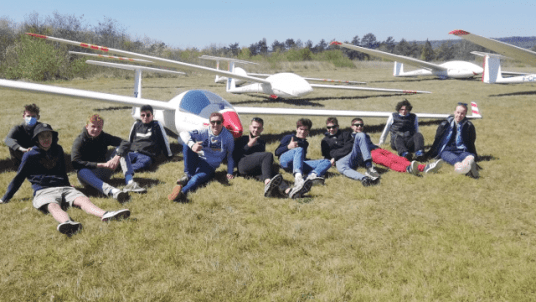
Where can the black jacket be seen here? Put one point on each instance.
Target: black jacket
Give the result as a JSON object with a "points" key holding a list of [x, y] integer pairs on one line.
{"points": [[88, 151], [468, 136], [337, 146]]}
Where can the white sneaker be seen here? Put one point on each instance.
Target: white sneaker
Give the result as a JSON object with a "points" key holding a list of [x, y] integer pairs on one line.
{"points": [[116, 215], [433, 167], [464, 166], [134, 187], [298, 190]]}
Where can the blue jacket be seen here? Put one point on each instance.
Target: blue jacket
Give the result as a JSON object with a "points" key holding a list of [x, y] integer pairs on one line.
{"points": [[43, 169]]}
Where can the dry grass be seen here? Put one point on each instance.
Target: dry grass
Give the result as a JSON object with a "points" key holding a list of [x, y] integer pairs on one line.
{"points": [[441, 237]]}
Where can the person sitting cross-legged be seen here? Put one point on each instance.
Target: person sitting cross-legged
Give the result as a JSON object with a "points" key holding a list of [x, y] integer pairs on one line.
{"points": [[44, 167], [292, 153], [252, 159], [347, 151], [404, 129], [94, 164], [203, 152]]}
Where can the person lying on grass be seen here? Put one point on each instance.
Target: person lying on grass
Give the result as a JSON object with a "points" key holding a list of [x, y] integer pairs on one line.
{"points": [[44, 167]]}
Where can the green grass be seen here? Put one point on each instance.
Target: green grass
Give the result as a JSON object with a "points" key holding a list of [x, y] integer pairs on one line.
{"points": [[441, 237]]}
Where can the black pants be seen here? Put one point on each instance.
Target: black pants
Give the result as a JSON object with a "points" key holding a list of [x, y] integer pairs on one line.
{"points": [[411, 143], [258, 164]]}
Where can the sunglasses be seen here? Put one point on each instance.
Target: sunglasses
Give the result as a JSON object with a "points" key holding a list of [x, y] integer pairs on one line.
{"points": [[358, 125], [218, 122], [331, 127], [146, 115]]}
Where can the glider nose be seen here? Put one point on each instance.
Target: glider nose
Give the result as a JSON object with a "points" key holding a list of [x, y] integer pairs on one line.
{"points": [[231, 121]]}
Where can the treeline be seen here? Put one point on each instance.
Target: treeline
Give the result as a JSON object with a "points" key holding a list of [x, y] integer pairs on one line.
{"points": [[24, 57]]}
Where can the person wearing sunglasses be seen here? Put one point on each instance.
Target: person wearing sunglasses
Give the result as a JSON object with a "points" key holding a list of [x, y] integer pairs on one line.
{"points": [[147, 140], [392, 161], [455, 143], [203, 151], [95, 164], [292, 153], [19, 138], [404, 129], [347, 151], [252, 160]]}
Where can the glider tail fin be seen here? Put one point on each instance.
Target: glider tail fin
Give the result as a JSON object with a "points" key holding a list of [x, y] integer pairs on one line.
{"points": [[475, 111], [398, 69], [492, 69]]}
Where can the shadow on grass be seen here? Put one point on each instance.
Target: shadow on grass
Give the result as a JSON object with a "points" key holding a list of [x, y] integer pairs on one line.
{"points": [[533, 92], [113, 108]]}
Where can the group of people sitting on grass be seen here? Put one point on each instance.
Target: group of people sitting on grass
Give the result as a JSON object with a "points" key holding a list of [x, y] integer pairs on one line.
{"points": [[35, 151]]}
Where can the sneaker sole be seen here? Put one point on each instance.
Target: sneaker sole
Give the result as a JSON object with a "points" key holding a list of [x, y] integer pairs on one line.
{"points": [[69, 228], [274, 183], [122, 214], [306, 187]]}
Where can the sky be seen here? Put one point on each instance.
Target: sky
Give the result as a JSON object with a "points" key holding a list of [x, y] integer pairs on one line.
{"points": [[205, 23]]}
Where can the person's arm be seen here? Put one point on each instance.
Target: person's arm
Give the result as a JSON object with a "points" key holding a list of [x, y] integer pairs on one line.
{"points": [[123, 146], [17, 181], [283, 146], [324, 146], [11, 139], [230, 159], [416, 124], [132, 132], [76, 155], [386, 130]]}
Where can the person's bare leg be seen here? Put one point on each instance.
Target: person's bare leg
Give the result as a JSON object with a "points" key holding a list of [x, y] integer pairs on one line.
{"points": [[85, 204], [60, 215]]}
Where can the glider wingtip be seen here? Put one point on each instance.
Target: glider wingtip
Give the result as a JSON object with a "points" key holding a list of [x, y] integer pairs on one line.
{"points": [[459, 32], [335, 43]]}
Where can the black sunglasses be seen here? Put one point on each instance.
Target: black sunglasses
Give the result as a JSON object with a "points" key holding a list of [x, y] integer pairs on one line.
{"points": [[332, 127], [146, 115], [218, 122], [358, 125]]}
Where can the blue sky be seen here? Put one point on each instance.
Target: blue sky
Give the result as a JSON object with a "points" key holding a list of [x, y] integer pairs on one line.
{"points": [[202, 23]]}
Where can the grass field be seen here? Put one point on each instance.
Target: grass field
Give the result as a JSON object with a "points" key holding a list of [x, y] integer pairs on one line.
{"points": [[441, 237]]}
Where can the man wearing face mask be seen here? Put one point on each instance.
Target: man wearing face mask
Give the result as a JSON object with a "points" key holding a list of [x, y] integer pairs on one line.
{"points": [[19, 138]]}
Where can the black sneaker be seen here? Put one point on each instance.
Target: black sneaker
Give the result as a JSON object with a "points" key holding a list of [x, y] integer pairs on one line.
{"points": [[367, 181], [272, 184], [69, 227]]}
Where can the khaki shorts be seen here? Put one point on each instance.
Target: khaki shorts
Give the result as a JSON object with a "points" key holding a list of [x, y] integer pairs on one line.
{"points": [[59, 195]]}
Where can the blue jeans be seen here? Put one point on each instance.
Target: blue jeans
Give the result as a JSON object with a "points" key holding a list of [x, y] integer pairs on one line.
{"points": [[95, 177], [454, 156], [197, 169], [360, 153], [293, 160], [140, 161]]}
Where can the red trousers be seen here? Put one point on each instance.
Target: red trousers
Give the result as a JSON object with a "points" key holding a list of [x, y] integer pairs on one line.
{"points": [[392, 161]]}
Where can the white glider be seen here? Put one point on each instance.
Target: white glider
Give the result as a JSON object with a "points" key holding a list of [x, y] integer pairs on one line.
{"points": [[285, 85], [492, 63], [451, 69], [264, 75]]}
